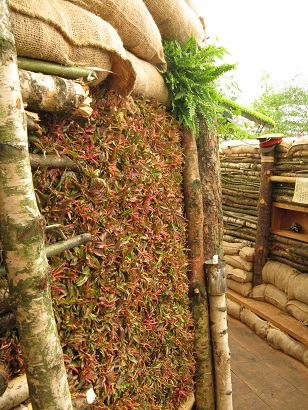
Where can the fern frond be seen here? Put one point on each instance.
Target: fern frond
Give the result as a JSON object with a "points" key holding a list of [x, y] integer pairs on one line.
{"points": [[191, 77]]}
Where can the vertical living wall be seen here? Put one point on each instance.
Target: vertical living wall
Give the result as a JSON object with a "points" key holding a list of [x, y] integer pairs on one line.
{"points": [[121, 302]]}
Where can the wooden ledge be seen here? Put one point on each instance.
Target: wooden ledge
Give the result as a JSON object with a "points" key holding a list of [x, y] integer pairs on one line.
{"points": [[273, 315]]}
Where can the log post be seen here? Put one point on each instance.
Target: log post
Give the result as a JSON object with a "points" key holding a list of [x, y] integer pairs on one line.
{"points": [[267, 142], [204, 385], [217, 287], [264, 216]]}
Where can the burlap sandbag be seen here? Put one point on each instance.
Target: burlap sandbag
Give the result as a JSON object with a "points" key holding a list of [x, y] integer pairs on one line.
{"points": [[280, 340], [149, 82], [299, 144], [237, 262], [61, 32], [134, 24], [176, 20], [278, 274], [234, 309], [195, 9], [243, 289], [240, 147], [298, 288], [269, 293], [240, 275], [229, 268], [285, 144], [258, 325], [299, 310], [232, 248], [247, 253]]}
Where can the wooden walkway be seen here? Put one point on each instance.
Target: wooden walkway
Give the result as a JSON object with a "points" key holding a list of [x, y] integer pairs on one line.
{"points": [[262, 377]]}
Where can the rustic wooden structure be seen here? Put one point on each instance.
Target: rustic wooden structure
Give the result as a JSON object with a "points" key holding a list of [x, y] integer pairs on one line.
{"points": [[279, 235]]}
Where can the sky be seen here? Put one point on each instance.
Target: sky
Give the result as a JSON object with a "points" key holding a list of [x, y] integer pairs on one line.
{"points": [[266, 36]]}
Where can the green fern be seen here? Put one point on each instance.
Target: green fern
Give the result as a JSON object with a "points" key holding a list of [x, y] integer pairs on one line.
{"points": [[191, 77]]}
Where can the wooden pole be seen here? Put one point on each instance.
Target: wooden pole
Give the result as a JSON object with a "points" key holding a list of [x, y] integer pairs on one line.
{"points": [[217, 288], [204, 386], [264, 216]]}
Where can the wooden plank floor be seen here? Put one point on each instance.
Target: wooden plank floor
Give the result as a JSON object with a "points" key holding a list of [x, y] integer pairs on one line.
{"points": [[263, 377]]}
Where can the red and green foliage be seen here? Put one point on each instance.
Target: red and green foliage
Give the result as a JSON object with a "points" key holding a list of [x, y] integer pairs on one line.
{"points": [[121, 301]]}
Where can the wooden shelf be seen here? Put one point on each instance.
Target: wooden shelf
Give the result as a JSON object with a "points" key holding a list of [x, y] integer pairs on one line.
{"points": [[274, 315], [284, 215], [303, 237]]}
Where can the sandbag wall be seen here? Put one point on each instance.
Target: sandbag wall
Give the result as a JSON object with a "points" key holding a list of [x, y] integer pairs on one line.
{"points": [[291, 161], [240, 180], [122, 39], [284, 277]]}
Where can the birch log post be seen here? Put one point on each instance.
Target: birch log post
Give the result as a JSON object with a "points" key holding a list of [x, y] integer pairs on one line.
{"points": [[50, 93], [204, 386], [217, 287], [16, 392], [264, 216], [22, 235]]}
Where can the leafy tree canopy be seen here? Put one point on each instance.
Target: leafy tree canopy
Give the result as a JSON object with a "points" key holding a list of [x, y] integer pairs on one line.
{"points": [[286, 104]]}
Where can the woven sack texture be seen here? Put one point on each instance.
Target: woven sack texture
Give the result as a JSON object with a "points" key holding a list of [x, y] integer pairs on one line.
{"points": [[232, 248], [64, 33], [247, 253], [237, 262], [299, 310], [269, 293], [298, 288], [240, 275], [195, 9], [234, 309], [278, 274], [280, 340], [243, 289], [255, 323], [176, 20], [134, 24], [149, 81]]}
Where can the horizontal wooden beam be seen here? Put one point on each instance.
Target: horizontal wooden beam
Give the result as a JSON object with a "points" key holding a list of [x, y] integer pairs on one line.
{"points": [[274, 315]]}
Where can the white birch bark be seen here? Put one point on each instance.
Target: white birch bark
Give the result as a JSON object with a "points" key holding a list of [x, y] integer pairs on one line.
{"points": [[22, 229]]}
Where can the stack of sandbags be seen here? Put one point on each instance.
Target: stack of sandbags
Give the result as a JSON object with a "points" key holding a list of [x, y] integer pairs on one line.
{"points": [[134, 24], [176, 20], [297, 304], [142, 40], [239, 267], [276, 338], [64, 33], [240, 165], [285, 288]]}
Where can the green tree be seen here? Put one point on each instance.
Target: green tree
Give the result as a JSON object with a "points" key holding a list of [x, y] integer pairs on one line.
{"points": [[286, 104]]}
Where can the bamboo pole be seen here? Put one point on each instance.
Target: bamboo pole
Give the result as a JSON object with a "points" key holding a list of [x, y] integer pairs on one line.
{"points": [[48, 67], [277, 178]]}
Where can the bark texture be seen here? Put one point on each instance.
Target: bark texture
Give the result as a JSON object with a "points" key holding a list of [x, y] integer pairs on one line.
{"points": [[204, 385], [22, 229], [42, 92], [209, 167], [16, 393], [216, 279], [264, 216]]}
